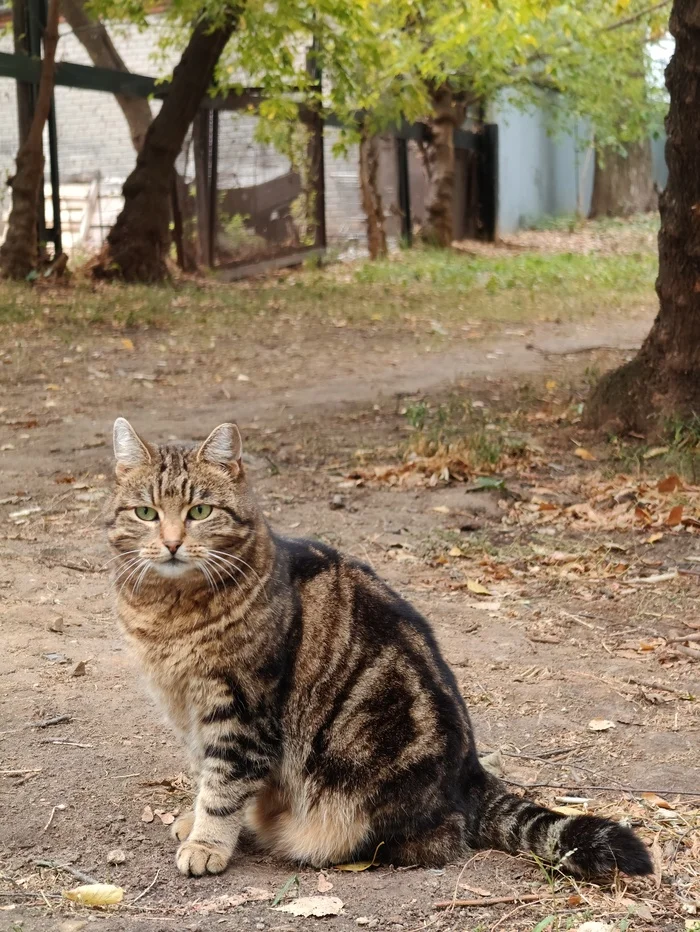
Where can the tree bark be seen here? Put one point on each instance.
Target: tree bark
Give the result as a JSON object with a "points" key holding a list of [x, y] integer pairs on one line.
{"points": [[449, 111], [18, 254], [137, 245], [664, 378], [97, 43], [624, 184], [371, 197]]}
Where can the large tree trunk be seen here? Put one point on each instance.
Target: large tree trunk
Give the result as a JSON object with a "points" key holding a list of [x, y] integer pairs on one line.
{"points": [[624, 184], [449, 111], [18, 254], [371, 197], [138, 243], [664, 378]]}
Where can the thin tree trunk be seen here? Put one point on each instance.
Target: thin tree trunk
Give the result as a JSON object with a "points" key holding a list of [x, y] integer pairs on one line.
{"points": [[18, 254], [138, 243], [438, 151], [664, 378], [93, 36], [624, 184], [371, 197]]}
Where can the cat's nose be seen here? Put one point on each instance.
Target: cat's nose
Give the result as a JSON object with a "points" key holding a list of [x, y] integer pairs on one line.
{"points": [[172, 545]]}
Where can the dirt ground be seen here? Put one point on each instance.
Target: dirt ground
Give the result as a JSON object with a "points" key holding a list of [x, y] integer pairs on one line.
{"points": [[541, 645]]}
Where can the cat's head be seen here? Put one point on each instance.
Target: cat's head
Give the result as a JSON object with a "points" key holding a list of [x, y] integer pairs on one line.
{"points": [[181, 510]]}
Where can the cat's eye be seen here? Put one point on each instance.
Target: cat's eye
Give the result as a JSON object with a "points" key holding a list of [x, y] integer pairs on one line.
{"points": [[199, 512], [146, 513]]}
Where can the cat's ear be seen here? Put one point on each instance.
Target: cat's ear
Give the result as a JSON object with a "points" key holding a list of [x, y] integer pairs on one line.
{"points": [[130, 451], [223, 447]]}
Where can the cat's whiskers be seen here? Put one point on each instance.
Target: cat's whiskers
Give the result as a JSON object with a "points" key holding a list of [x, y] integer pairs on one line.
{"points": [[144, 571], [232, 556], [133, 562], [120, 556], [138, 566], [205, 572], [226, 569]]}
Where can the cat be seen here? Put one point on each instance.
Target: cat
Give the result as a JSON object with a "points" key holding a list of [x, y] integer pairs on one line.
{"points": [[320, 717]]}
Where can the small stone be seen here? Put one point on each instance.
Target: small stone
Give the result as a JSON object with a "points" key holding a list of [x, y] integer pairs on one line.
{"points": [[116, 856], [336, 503], [147, 814], [373, 923], [79, 669], [362, 921], [56, 625]]}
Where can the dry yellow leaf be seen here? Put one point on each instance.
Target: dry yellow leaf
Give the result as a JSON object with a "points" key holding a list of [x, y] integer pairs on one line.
{"points": [[654, 452], [95, 894], [568, 810], [550, 385], [654, 800], [442, 509], [654, 538], [456, 552], [357, 866], [600, 724], [476, 587], [127, 343], [584, 454]]}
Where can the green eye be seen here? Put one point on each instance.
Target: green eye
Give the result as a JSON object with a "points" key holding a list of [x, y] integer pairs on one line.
{"points": [[199, 512], [146, 513]]}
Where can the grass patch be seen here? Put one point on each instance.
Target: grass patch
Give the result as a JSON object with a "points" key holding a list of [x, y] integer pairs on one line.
{"points": [[410, 290]]}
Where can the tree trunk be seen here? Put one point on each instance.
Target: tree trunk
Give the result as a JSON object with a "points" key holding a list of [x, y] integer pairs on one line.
{"points": [[18, 254], [664, 378], [438, 151], [371, 197], [624, 184], [138, 243], [97, 43]]}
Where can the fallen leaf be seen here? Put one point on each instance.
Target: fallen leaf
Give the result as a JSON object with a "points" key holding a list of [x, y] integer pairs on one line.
{"points": [[147, 814], [567, 810], [600, 724], [654, 538], [477, 891], [95, 894], [357, 866], [643, 515], [167, 818], [441, 509], [456, 552], [674, 516], [654, 452], [477, 588], [229, 901], [243, 378], [550, 385], [323, 885], [669, 484], [313, 906], [127, 343], [584, 454], [658, 801]]}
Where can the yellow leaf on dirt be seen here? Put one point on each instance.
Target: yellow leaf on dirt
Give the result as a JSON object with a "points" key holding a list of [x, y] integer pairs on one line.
{"points": [[658, 801], [567, 810], [441, 509], [128, 344], [601, 724], [476, 587], [584, 454], [674, 516], [357, 866], [550, 385], [456, 552], [669, 484], [95, 894], [654, 452], [654, 538]]}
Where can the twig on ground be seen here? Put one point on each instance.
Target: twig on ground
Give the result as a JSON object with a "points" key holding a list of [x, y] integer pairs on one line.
{"points": [[45, 722], [53, 813], [633, 790], [73, 871], [19, 773], [65, 742], [27, 893], [647, 684], [149, 887], [686, 651], [686, 637], [490, 901]]}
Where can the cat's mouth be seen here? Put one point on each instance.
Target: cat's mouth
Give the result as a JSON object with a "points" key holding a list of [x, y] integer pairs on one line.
{"points": [[174, 566]]}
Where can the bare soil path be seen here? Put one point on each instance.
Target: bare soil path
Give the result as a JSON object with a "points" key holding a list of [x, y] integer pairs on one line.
{"points": [[537, 662]]}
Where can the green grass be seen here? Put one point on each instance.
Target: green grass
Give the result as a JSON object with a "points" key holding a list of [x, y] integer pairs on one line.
{"points": [[414, 285]]}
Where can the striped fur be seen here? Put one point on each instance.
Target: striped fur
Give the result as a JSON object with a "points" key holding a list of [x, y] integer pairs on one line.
{"points": [[319, 715]]}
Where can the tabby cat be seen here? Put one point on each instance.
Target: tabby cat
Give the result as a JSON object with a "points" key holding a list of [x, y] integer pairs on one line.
{"points": [[320, 717]]}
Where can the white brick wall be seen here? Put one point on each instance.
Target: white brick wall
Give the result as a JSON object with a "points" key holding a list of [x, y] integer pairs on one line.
{"points": [[93, 135]]}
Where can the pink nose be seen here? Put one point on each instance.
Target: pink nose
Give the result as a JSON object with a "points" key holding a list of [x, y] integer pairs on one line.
{"points": [[172, 545]]}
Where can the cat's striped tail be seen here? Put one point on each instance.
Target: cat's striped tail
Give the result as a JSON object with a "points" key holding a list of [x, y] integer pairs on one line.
{"points": [[586, 846]]}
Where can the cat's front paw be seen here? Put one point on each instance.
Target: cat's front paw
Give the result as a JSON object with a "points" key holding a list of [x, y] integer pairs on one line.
{"points": [[182, 826], [196, 858]]}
